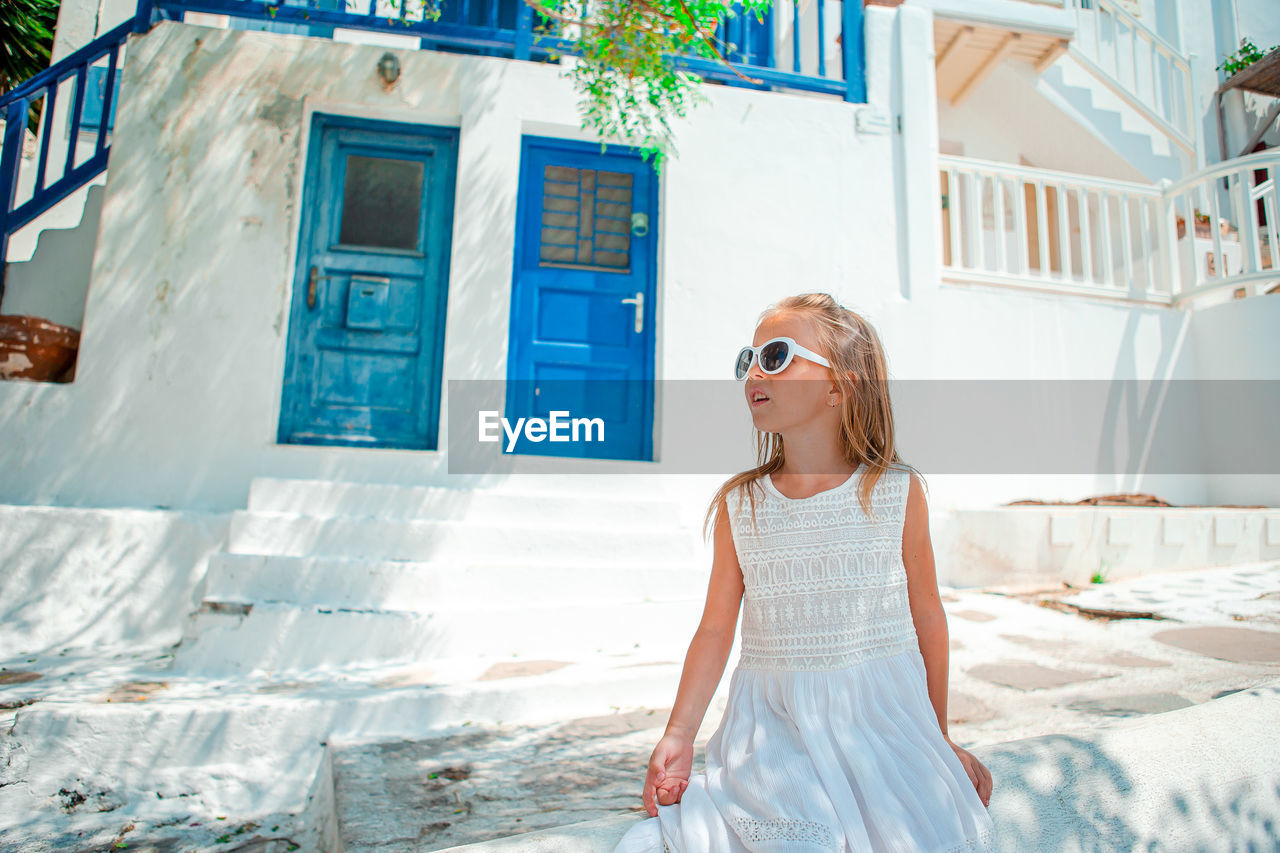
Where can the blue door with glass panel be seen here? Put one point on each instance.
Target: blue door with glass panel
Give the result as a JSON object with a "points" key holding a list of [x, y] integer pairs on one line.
{"points": [[582, 301], [366, 326]]}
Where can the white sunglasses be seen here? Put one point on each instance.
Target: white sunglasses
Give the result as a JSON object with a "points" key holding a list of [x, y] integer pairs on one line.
{"points": [[774, 356]]}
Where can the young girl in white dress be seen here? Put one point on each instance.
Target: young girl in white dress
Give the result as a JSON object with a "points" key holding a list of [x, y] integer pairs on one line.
{"points": [[835, 733]]}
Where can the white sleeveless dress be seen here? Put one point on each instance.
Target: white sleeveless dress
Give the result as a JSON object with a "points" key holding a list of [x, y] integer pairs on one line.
{"points": [[829, 741]]}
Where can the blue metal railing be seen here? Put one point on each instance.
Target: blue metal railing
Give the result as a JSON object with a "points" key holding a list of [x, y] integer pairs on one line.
{"points": [[506, 28], [492, 27], [15, 106]]}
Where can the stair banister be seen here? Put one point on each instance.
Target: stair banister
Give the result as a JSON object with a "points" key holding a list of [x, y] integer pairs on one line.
{"points": [[1179, 122], [15, 106]]}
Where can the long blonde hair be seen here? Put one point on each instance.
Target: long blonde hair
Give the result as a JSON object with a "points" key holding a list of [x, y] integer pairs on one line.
{"points": [[866, 419]]}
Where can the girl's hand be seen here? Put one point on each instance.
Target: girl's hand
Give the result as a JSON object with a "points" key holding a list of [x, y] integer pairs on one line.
{"points": [[978, 773], [668, 775]]}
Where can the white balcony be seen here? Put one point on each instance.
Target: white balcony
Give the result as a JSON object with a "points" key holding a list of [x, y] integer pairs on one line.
{"points": [[1062, 232]]}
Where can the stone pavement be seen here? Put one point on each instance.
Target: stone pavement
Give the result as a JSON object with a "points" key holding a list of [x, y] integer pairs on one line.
{"points": [[1018, 669], [1022, 663]]}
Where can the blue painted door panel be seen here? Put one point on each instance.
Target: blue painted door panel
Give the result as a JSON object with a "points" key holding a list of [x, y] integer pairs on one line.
{"points": [[366, 331], [582, 302]]}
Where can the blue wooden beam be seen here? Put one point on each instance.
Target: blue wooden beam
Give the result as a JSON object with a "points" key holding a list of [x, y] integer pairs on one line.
{"points": [[524, 29], [853, 52]]}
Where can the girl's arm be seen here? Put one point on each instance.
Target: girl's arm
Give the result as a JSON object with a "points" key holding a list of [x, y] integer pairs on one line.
{"points": [[704, 663], [931, 625], [926, 605]]}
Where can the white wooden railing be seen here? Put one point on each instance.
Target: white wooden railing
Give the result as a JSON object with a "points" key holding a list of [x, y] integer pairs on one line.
{"points": [[1058, 231], [1150, 74], [1241, 198]]}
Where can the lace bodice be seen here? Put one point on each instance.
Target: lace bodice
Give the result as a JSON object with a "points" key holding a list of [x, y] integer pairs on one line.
{"points": [[825, 586]]}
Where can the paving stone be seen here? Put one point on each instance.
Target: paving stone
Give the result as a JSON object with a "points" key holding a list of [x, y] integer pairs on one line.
{"points": [[973, 615], [1025, 675], [1199, 596], [609, 725], [287, 686], [134, 691], [18, 676], [410, 678], [1136, 703], [1127, 659], [492, 781], [1041, 644], [963, 708], [1241, 645], [518, 668]]}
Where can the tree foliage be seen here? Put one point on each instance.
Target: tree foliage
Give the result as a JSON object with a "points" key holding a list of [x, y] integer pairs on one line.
{"points": [[26, 43], [626, 70]]}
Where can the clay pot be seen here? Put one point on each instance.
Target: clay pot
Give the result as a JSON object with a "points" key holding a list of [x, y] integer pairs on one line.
{"points": [[1204, 232], [35, 349]]}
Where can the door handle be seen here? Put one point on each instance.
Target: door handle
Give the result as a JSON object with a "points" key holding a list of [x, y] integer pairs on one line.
{"points": [[638, 301], [311, 286]]}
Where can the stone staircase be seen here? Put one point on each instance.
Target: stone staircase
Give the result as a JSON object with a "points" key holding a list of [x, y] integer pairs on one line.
{"points": [[51, 260], [1079, 94], [497, 604]]}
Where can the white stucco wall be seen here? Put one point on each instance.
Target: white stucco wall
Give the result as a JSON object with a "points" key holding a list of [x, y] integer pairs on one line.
{"points": [[177, 394]]}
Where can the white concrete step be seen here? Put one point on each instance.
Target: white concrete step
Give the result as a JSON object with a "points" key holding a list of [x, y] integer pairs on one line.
{"points": [[338, 582], [260, 749], [278, 638], [520, 503], [531, 544]]}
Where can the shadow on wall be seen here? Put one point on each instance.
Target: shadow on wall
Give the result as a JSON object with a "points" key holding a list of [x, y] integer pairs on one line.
{"points": [[177, 387]]}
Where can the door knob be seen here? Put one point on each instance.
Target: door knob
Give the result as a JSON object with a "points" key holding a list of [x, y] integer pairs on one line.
{"points": [[638, 301], [311, 285], [639, 224]]}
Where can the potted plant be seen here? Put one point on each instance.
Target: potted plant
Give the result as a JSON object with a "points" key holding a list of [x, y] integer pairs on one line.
{"points": [[37, 349], [1202, 227], [1247, 55]]}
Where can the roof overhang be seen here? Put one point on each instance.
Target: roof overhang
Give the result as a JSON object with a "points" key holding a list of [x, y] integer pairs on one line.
{"points": [[966, 52]]}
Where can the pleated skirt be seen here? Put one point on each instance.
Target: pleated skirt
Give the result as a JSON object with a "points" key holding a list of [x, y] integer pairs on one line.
{"points": [[836, 760]]}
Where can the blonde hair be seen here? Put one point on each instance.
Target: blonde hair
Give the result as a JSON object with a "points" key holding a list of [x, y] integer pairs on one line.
{"points": [[850, 343]]}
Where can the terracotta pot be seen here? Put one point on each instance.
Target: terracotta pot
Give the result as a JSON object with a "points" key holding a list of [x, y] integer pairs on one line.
{"points": [[1204, 232], [36, 349]]}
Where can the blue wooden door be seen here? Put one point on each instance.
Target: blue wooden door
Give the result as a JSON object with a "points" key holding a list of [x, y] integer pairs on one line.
{"points": [[582, 302], [366, 329]]}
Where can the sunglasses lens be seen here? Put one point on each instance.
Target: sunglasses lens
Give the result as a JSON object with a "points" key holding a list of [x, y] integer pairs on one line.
{"points": [[773, 356], [743, 364]]}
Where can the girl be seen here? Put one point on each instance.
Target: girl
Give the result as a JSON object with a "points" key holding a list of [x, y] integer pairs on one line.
{"points": [[835, 734]]}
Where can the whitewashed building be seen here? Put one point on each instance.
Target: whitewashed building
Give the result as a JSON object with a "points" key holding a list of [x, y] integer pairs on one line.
{"points": [[203, 279]]}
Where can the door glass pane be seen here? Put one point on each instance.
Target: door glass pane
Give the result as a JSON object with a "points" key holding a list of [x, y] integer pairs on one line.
{"points": [[586, 219], [381, 202]]}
